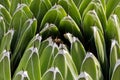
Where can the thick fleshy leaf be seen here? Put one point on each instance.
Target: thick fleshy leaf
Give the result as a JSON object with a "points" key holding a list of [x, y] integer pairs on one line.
{"points": [[35, 41], [30, 63], [53, 15], [5, 71], [116, 71], [44, 44], [6, 41], [114, 55], [52, 74], [6, 4], [28, 2], [103, 3], [21, 15], [71, 10], [117, 11], [84, 5], [91, 19], [47, 56], [113, 28], [29, 30], [6, 16], [49, 30], [53, 2], [69, 75], [77, 50], [22, 75], [110, 9], [100, 11], [77, 2], [69, 62], [67, 24], [101, 49], [2, 28], [16, 3], [60, 63], [92, 67], [84, 76], [39, 9]]}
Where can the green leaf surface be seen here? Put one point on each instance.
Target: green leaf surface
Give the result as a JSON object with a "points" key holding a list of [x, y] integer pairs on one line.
{"points": [[5, 65], [71, 10], [53, 15]]}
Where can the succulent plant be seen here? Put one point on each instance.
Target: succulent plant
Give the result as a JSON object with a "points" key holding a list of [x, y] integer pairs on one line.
{"points": [[59, 39]]}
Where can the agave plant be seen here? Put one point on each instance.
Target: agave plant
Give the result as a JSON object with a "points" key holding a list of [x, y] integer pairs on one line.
{"points": [[60, 40]]}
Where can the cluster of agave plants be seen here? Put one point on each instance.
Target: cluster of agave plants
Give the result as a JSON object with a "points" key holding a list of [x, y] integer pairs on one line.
{"points": [[59, 39]]}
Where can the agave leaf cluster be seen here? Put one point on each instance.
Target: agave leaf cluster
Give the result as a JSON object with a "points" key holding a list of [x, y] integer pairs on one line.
{"points": [[60, 40]]}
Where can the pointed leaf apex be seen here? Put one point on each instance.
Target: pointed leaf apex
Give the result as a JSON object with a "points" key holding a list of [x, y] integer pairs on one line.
{"points": [[61, 51], [1, 18], [114, 42], [55, 70], [23, 74], [10, 32], [38, 37], [117, 64], [83, 75], [94, 29], [34, 50], [89, 54], [5, 54], [1, 6]]}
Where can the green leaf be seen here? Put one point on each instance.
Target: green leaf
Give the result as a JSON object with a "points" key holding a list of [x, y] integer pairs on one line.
{"points": [[91, 19], [101, 49], [67, 24], [39, 9], [60, 62], [16, 3], [21, 15], [116, 71], [100, 11], [49, 30], [113, 26], [70, 63], [35, 41], [5, 71], [114, 55], [117, 11], [30, 63], [110, 9], [77, 2], [54, 2], [69, 75], [53, 15], [28, 2], [44, 44], [92, 67], [47, 56], [6, 41], [84, 76], [22, 75], [84, 5], [2, 28], [6, 4], [52, 74], [6, 16], [29, 30], [71, 10], [77, 50]]}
